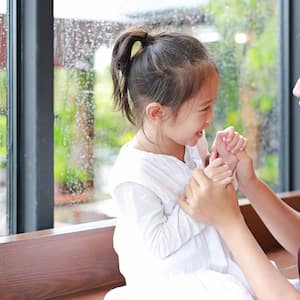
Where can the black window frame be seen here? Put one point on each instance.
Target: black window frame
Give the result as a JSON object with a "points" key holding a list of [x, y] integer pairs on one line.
{"points": [[30, 115], [30, 110]]}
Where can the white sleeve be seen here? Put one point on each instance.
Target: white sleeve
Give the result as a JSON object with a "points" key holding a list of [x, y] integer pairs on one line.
{"points": [[162, 234]]}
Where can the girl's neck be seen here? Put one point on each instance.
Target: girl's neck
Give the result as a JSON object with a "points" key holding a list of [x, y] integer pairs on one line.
{"points": [[149, 143]]}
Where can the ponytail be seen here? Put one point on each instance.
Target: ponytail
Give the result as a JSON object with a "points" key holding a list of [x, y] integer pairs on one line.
{"points": [[120, 68]]}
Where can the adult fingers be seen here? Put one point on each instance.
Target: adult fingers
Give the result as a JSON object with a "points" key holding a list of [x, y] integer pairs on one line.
{"points": [[226, 181], [183, 203], [223, 176], [245, 142], [216, 163], [188, 192], [201, 178], [218, 172]]}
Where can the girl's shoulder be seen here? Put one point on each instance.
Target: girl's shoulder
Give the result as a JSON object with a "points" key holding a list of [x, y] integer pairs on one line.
{"points": [[133, 165], [146, 168]]}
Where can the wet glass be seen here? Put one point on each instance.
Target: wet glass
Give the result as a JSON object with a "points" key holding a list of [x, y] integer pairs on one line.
{"points": [[3, 121], [88, 133]]}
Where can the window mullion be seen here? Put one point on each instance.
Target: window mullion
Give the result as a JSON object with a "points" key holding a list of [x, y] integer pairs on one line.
{"points": [[31, 119]]}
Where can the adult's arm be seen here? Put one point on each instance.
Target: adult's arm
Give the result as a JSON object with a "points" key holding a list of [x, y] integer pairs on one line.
{"points": [[265, 280], [217, 205], [282, 220]]}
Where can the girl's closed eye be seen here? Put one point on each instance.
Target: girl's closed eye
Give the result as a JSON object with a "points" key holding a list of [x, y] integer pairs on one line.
{"points": [[206, 108]]}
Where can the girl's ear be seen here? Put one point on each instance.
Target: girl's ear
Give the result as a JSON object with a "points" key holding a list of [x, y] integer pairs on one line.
{"points": [[154, 111]]}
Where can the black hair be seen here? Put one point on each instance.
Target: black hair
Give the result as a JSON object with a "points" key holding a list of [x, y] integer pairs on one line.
{"points": [[168, 68]]}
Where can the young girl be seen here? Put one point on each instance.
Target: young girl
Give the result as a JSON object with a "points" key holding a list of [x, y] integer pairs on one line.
{"points": [[168, 88], [222, 211]]}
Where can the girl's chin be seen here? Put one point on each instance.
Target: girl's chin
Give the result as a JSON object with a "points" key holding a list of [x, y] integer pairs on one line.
{"points": [[196, 138], [193, 143]]}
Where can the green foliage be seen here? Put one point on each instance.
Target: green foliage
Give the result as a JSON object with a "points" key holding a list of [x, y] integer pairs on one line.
{"points": [[3, 119], [251, 67], [64, 95], [111, 130], [3, 152], [269, 169], [2, 90], [67, 86]]}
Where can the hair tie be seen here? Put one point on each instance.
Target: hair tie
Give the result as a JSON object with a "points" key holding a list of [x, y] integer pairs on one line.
{"points": [[145, 40]]}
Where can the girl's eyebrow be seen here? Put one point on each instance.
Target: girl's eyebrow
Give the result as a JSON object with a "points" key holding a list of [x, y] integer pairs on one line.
{"points": [[206, 102]]}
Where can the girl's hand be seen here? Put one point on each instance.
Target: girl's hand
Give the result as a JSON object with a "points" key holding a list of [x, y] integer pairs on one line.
{"points": [[218, 171], [209, 202], [227, 144]]}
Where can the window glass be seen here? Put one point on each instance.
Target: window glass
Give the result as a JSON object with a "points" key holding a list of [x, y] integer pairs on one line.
{"points": [[241, 35], [3, 120]]}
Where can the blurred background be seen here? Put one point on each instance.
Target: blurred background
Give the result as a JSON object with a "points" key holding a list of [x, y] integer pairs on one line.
{"points": [[243, 37]]}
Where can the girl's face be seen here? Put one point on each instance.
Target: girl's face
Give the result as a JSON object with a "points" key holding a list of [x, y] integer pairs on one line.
{"points": [[194, 115]]}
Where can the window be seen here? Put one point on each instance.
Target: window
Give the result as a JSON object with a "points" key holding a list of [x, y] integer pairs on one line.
{"points": [[88, 134], [3, 121], [258, 66]]}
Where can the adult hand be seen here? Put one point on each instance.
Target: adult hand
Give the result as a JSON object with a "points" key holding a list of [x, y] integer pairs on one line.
{"points": [[210, 202]]}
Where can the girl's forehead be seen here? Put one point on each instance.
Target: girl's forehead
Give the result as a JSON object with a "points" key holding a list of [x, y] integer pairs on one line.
{"points": [[207, 92]]}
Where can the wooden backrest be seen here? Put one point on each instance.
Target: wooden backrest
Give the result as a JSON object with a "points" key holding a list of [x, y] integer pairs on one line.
{"points": [[49, 263], [257, 227]]}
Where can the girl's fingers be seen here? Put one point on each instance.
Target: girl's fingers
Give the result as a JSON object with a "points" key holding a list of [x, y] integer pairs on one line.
{"points": [[233, 142], [229, 133], [216, 163], [238, 146]]}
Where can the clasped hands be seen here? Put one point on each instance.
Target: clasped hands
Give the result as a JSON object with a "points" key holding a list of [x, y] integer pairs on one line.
{"points": [[210, 193]]}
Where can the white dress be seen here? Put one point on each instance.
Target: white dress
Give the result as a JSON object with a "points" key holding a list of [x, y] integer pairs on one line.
{"points": [[163, 253]]}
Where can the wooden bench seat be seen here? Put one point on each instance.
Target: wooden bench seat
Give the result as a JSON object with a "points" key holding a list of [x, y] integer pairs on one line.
{"points": [[78, 262], [286, 263]]}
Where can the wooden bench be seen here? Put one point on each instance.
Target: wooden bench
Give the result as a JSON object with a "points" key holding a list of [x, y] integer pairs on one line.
{"points": [[51, 263], [78, 262]]}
